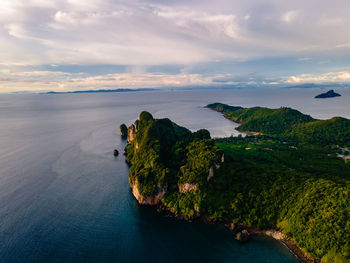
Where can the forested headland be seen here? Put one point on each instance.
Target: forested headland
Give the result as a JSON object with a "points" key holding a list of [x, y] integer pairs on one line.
{"points": [[284, 178]]}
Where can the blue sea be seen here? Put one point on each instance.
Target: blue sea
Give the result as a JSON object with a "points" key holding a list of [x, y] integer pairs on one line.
{"points": [[64, 197]]}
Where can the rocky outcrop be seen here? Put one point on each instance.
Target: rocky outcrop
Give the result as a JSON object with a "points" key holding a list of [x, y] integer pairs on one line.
{"points": [[132, 133], [123, 130], [275, 234], [211, 173], [147, 200], [232, 226], [217, 166], [185, 188], [243, 236]]}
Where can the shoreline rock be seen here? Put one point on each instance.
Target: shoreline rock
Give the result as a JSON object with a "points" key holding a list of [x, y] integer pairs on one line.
{"points": [[243, 236]]}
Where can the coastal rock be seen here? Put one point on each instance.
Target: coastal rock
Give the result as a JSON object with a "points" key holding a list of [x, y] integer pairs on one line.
{"points": [[185, 188], [211, 173], [147, 200], [275, 234], [132, 132], [232, 226], [243, 236], [328, 94], [123, 130]]}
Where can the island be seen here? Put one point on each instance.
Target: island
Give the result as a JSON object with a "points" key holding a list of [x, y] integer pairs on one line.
{"points": [[286, 181], [328, 94]]}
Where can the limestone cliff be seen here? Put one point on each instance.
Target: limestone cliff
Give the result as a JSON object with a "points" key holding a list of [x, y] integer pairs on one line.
{"points": [[185, 188], [170, 164], [147, 200], [132, 130]]}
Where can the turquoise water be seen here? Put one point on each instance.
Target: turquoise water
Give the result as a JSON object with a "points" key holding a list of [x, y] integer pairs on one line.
{"points": [[64, 197]]}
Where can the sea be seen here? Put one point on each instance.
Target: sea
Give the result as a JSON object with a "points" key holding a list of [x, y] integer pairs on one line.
{"points": [[64, 197]]}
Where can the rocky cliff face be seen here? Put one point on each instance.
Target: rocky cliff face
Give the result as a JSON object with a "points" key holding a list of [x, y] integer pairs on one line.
{"points": [[185, 188], [169, 164], [132, 132], [217, 166], [147, 200]]}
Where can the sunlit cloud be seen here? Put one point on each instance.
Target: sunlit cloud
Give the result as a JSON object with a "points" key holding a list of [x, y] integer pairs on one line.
{"points": [[331, 77], [45, 81], [189, 34]]}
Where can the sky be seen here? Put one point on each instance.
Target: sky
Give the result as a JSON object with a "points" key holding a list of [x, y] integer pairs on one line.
{"points": [[65, 45]]}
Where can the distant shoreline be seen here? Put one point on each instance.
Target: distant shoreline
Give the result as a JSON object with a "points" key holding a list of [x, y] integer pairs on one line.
{"points": [[97, 91]]}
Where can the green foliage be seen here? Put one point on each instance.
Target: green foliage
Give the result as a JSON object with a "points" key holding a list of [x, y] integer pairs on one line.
{"points": [[145, 116], [288, 178], [300, 189], [201, 134], [263, 120], [333, 257], [164, 155], [335, 130], [201, 155], [289, 124]]}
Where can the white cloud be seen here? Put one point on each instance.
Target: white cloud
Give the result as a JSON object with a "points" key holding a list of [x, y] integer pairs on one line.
{"points": [[49, 80], [289, 16], [331, 77], [147, 32], [142, 33], [343, 45]]}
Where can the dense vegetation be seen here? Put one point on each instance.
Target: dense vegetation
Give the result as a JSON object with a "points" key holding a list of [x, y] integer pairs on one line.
{"points": [[289, 178], [288, 123], [165, 156], [300, 190]]}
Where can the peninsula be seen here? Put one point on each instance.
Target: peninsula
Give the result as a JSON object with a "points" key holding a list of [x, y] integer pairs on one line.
{"points": [[287, 181]]}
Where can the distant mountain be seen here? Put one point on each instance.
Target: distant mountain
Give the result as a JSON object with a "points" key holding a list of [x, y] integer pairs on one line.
{"points": [[304, 86], [322, 86], [98, 91], [328, 94]]}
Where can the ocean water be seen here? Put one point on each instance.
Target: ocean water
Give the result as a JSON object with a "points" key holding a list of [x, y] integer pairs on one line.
{"points": [[64, 197]]}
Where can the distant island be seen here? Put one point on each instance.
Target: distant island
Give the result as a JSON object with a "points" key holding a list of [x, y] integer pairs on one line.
{"points": [[290, 180], [328, 94], [98, 91]]}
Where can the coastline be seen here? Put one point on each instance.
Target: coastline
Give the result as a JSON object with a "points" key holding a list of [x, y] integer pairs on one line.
{"points": [[247, 133], [288, 242]]}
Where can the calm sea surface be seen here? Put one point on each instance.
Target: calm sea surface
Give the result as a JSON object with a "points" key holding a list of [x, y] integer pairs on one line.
{"points": [[65, 198]]}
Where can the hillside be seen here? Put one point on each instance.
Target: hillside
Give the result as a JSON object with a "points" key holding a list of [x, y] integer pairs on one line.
{"points": [[262, 120], [168, 159], [256, 182], [288, 123]]}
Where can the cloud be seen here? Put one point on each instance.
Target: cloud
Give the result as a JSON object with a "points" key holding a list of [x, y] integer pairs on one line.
{"points": [[289, 16], [203, 37], [149, 32], [344, 45], [331, 77], [11, 81], [304, 59]]}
